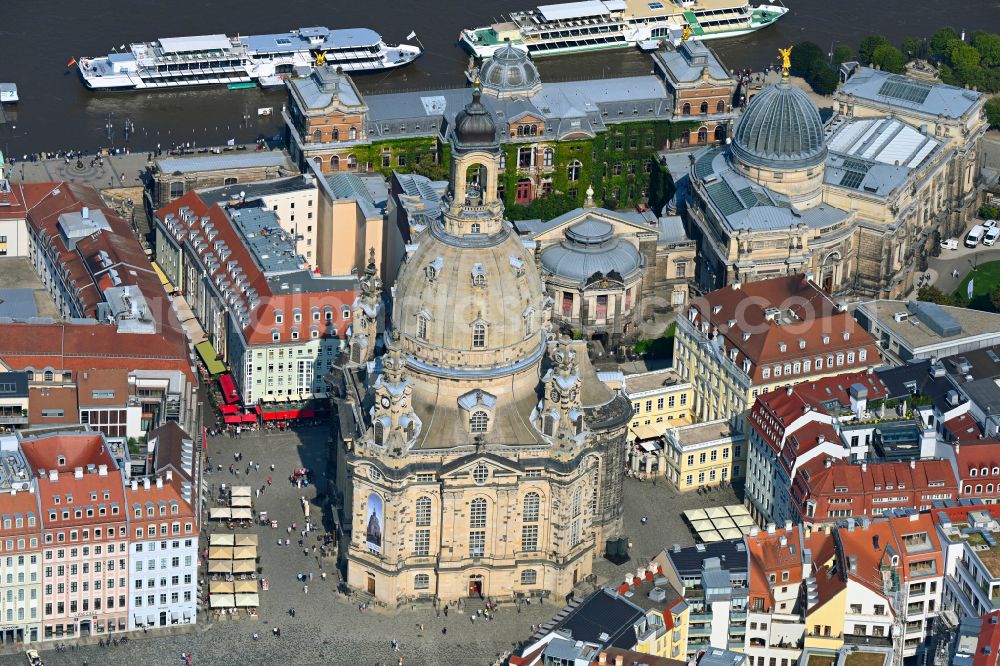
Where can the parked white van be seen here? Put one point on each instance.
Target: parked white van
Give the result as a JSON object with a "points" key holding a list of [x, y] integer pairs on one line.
{"points": [[975, 235], [991, 236]]}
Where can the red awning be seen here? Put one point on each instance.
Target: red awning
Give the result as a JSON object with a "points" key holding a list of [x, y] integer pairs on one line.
{"points": [[233, 418], [249, 418], [229, 409], [287, 415], [229, 392]]}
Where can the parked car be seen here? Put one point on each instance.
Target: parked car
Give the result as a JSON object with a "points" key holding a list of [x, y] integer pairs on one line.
{"points": [[949, 244], [33, 658], [975, 235], [990, 223], [991, 236]]}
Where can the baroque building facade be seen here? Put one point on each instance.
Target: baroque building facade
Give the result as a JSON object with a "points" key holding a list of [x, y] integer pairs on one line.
{"points": [[478, 455], [556, 137], [855, 202]]}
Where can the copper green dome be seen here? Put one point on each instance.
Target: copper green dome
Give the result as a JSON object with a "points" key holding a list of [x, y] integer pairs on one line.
{"points": [[780, 129]]}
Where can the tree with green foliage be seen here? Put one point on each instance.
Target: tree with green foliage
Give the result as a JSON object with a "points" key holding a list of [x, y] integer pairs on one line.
{"points": [[914, 47], [942, 41], [993, 111], [964, 57], [825, 81], [809, 62], [842, 53], [934, 295], [867, 48], [542, 208], [988, 212], [806, 58], [988, 45], [889, 59]]}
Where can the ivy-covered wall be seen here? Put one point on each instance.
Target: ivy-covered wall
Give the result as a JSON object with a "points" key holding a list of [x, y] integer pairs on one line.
{"points": [[622, 165], [418, 156]]}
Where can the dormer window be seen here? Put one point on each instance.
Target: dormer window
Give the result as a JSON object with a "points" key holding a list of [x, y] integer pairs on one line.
{"points": [[297, 315], [782, 347], [802, 343], [847, 335], [295, 333], [421, 327], [746, 336], [275, 335], [278, 317], [716, 309], [826, 339]]}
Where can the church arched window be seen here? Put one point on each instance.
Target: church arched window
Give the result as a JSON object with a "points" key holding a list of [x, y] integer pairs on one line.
{"points": [[479, 336], [479, 422], [423, 512]]}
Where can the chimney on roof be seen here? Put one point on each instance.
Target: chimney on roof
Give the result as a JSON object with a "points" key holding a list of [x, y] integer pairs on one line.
{"points": [[102, 470], [828, 462], [736, 285], [53, 475], [864, 467], [850, 524], [788, 526], [913, 464], [135, 485], [85, 213], [788, 390], [619, 660], [159, 482], [602, 658], [754, 531], [78, 473], [783, 541], [820, 438], [770, 528], [170, 475], [145, 483]]}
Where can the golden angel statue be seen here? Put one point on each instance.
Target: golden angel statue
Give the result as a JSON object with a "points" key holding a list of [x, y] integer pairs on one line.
{"points": [[786, 59]]}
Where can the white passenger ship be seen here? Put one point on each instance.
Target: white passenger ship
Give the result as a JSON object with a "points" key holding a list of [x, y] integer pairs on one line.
{"points": [[173, 62], [607, 24]]}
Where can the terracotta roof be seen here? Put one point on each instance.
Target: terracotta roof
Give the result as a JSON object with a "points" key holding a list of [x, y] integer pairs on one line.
{"points": [[76, 449], [844, 474], [79, 451], [768, 556], [768, 321], [50, 398], [828, 585], [78, 347], [988, 646], [982, 453], [97, 379], [885, 537], [24, 503], [169, 492], [963, 428]]}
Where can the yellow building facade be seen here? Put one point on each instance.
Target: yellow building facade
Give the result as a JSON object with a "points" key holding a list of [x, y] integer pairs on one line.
{"points": [[660, 400], [704, 454]]}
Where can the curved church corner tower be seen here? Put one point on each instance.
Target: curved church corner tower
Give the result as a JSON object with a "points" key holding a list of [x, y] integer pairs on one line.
{"points": [[478, 455]]}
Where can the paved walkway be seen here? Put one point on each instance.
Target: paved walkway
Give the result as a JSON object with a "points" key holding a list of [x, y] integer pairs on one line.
{"points": [[963, 260], [115, 171]]}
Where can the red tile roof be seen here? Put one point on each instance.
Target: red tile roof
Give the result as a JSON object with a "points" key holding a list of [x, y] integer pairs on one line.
{"points": [[805, 315], [963, 428], [988, 647]]}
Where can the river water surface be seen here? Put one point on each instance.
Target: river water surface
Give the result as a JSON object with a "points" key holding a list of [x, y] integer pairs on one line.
{"points": [[38, 38]]}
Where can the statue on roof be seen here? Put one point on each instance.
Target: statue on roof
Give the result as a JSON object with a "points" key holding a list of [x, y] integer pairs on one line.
{"points": [[786, 60]]}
